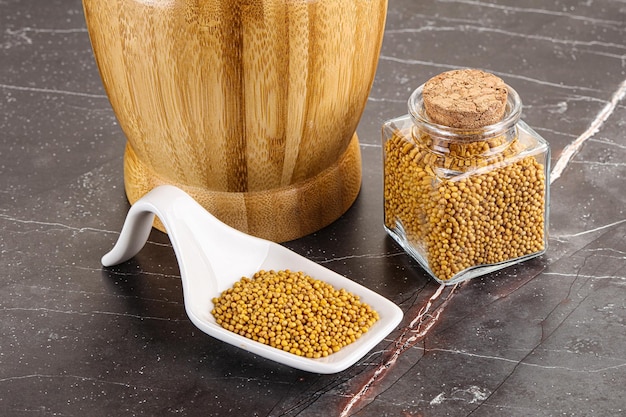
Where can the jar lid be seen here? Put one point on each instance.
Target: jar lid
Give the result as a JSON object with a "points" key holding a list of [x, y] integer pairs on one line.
{"points": [[466, 98]]}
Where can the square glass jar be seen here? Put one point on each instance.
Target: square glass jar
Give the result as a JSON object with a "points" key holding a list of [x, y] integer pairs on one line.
{"points": [[465, 202]]}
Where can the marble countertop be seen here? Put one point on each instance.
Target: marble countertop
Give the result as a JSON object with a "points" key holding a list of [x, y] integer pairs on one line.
{"points": [[544, 338]]}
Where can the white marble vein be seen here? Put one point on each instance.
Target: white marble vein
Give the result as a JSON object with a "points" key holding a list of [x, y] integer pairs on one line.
{"points": [[24, 36], [619, 23], [88, 294], [502, 32], [585, 232], [50, 91], [615, 253], [600, 164], [89, 313], [54, 226], [599, 369], [571, 149], [409, 61], [48, 376], [363, 256], [608, 142], [576, 275], [472, 395]]}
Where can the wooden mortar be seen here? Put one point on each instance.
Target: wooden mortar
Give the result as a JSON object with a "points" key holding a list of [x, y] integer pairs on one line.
{"points": [[250, 106]]}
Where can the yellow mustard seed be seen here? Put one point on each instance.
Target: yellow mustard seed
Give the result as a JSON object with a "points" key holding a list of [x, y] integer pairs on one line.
{"points": [[293, 312], [463, 221]]}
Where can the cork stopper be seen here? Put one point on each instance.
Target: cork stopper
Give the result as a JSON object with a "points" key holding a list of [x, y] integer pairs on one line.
{"points": [[465, 99]]}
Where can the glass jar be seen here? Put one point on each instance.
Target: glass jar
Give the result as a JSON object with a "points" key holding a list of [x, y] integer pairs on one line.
{"points": [[465, 202]]}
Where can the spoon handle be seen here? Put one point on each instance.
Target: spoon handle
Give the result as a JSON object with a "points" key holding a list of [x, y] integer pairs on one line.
{"points": [[133, 236], [139, 220], [200, 240]]}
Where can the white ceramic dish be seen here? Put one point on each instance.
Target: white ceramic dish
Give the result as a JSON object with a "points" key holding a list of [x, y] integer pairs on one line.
{"points": [[213, 256]]}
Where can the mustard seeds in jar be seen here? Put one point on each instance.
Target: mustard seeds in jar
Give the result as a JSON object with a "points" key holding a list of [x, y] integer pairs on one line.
{"points": [[293, 312], [466, 186]]}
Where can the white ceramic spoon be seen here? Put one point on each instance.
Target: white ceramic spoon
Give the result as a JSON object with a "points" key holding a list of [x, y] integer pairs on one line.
{"points": [[213, 256]]}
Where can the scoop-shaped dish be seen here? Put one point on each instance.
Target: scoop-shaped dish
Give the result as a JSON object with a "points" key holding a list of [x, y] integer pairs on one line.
{"points": [[212, 256]]}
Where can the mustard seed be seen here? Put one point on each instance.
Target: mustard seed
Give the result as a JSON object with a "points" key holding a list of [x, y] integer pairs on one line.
{"points": [[293, 312], [466, 194]]}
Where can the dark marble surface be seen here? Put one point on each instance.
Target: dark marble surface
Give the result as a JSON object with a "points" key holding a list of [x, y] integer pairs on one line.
{"points": [[544, 338]]}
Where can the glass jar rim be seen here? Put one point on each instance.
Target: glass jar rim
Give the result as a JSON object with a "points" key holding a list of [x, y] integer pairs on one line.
{"points": [[418, 114]]}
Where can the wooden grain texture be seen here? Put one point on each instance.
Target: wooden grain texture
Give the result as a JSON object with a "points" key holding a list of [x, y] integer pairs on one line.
{"points": [[291, 211], [235, 98]]}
